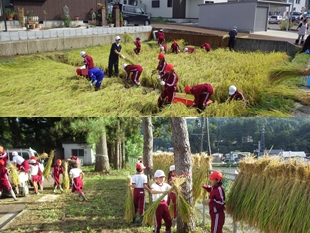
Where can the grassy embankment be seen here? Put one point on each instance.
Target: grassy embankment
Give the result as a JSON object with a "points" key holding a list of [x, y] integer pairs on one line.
{"points": [[46, 84]]}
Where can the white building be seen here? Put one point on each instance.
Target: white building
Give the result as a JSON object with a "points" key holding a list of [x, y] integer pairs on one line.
{"points": [[83, 151]]}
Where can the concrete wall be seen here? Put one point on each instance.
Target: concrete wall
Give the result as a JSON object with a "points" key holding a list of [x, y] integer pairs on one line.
{"points": [[224, 16], [29, 42], [192, 8], [242, 44]]}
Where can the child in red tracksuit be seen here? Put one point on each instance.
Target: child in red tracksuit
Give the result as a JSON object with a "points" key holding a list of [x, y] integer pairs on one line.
{"points": [[161, 37], [136, 71], [3, 155], [34, 172], [202, 94], [77, 176], [4, 180], [163, 48], [40, 172], [21, 164], [189, 50], [206, 46], [139, 183], [216, 202], [170, 83], [172, 196], [57, 170], [161, 66], [138, 46], [157, 189], [175, 48]]}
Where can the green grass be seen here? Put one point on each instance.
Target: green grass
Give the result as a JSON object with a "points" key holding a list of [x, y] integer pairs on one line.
{"points": [[46, 84]]}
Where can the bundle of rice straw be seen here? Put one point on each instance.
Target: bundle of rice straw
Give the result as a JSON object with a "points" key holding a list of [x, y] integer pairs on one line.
{"points": [[47, 168], [171, 208], [66, 179], [14, 174], [42, 156], [129, 206], [286, 71], [128, 37], [183, 208]]}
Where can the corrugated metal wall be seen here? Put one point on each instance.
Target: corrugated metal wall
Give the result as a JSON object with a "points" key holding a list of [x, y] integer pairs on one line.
{"points": [[54, 8]]}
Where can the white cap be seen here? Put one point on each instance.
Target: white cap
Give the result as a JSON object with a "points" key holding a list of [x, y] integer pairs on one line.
{"points": [[232, 89], [172, 168], [162, 48], [124, 66], [82, 53], [117, 38], [14, 153], [159, 173], [161, 30], [32, 161], [235, 27], [139, 157], [185, 49]]}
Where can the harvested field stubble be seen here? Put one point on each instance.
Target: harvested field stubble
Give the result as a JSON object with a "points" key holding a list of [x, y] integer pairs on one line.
{"points": [[271, 195], [46, 84]]}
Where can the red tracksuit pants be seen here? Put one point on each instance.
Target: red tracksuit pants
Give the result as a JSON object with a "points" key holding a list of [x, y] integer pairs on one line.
{"points": [[135, 76], [162, 212], [170, 93], [137, 50], [172, 197], [217, 222], [139, 200], [77, 185], [203, 99], [4, 183]]}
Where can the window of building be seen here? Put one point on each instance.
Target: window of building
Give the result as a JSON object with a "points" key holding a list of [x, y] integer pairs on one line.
{"points": [[297, 1], [155, 4], [77, 152], [169, 3]]}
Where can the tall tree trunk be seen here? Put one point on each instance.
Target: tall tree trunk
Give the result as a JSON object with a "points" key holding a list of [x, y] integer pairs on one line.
{"points": [[124, 154], [183, 165], [117, 143], [102, 158], [148, 149]]}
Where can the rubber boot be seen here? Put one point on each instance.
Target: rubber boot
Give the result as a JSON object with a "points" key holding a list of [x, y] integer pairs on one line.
{"points": [[13, 195], [296, 42], [61, 190], [134, 218], [84, 198], [140, 221], [301, 42]]}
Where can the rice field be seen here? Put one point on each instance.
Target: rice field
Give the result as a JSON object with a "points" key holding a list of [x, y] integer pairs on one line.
{"points": [[47, 85]]}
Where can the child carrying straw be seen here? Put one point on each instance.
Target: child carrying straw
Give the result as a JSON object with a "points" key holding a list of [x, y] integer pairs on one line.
{"points": [[57, 170], [162, 212], [4, 180], [216, 201], [172, 196], [139, 183]]}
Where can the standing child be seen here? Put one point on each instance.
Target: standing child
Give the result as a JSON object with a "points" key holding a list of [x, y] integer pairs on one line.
{"points": [[139, 183], [77, 176], [157, 189], [40, 172], [216, 202], [57, 170], [302, 31], [161, 37], [34, 172], [138, 46], [172, 196], [4, 180], [161, 66]]}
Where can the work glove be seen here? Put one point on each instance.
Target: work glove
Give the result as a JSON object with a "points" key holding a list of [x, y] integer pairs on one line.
{"points": [[158, 76], [95, 82], [122, 56], [83, 67], [162, 83], [90, 84]]}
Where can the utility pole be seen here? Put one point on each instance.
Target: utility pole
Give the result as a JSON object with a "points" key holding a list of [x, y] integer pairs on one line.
{"points": [[208, 137], [201, 134]]}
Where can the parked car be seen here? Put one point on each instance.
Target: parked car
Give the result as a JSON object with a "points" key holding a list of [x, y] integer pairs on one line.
{"points": [[275, 19], [132, 14]]}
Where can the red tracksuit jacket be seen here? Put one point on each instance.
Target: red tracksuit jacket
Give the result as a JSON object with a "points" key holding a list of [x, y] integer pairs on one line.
{"points": [[138, 44], [161, 67], [88, 62], [199, 90], [206, 46], [217, 198], [171, 81], [237, 96]]}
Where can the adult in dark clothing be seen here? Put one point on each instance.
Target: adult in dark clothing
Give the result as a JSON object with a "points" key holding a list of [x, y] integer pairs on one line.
{"points": [[115, 53], [232, 38]]}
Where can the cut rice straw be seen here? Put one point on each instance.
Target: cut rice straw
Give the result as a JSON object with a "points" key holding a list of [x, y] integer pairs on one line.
{"points": [[66, 179], [42, 156], [13, 174], [286, 71], [47, 168], [129, 206]]}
